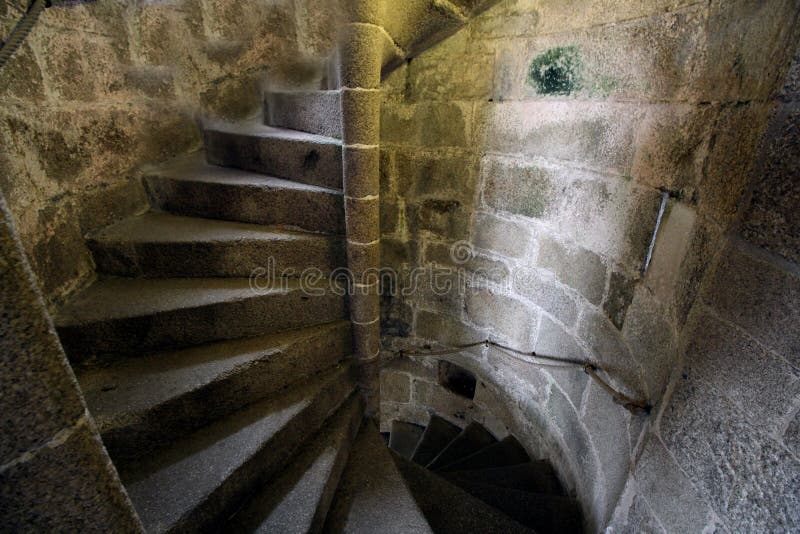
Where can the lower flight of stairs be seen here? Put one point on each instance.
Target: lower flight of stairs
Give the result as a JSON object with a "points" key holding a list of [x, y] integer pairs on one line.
{"points": [[468, 481], [221, 379]]}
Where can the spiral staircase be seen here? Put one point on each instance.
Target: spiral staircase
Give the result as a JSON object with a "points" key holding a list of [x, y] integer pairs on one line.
{"points": [[229, 402]]}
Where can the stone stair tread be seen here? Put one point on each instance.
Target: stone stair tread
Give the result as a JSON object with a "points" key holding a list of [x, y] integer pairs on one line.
{"points": [[160, 245], [258, 129], [133, 316], [203, 477], [318, 112], [118, 298], [473, 438], [194, 167], [546, 514], [372, 495], [535, 477], [292, 154], [190, 186], [451, 510], [507, 451], [436, 436], [404, 438], [166, 228], [138, 400], [299, 499]]}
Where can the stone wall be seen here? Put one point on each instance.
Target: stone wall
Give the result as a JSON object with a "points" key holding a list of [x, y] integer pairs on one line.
{"points": [[101, 88], [544, 138], [54, 470], [725, 448]]}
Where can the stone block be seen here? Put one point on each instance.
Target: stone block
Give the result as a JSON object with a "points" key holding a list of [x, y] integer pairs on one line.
{"points": [[395, 386], [646, 58], [363, 260], [448, 77], [366, 340], [747, 477], [416, 25], [671, 496], [411, 413], [736, 136], [361, 113], [513, 321], [612, 354], [672, 145], [362, 175], [22, 77], [440, 401], [791, 85], [501, 236], [792, 435], [154, 82], [552, 340], [652, 341], [606, 423], [476, 267], [744, 282], [596, 135], [40, 395], [671, 247], [577, 268], [726, 359], [639, 519], [543, 290], [518, 188], [234, 99], [703, 246], [445, 329], [428, 124], [578, 446], [620, 295], [749, 46], [451, 175], [448, 218], [772, 219], [362, 217], [361, 61], [613, 218], [111, 203], [60, 486], [365, 304]]}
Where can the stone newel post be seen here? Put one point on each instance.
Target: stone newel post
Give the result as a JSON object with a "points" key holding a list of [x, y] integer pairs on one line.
{"points": [[360, 60]]}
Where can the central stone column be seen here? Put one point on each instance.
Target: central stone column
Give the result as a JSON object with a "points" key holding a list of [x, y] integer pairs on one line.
{"points": [[360, 61]]}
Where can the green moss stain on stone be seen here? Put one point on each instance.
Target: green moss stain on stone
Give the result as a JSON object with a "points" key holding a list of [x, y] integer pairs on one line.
{"points": [[557, 71]]}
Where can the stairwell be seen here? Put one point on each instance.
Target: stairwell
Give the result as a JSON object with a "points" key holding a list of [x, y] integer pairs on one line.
{"points": [[224, 380]]}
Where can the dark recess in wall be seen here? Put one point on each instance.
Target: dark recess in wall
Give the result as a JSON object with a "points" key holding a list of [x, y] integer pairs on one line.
{"points": [[457, 379]]}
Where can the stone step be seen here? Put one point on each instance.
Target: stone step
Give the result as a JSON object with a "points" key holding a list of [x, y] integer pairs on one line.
{"points": [[298, 501], [372, 496], [140, 403], [316, 112], [200, 480], [190, 186], [543, 513], [437, 435], [125, 315], [469, 441], [449, 509], [404, 438], [157, 245], [534, 477], [507, 451], [298, 156]]}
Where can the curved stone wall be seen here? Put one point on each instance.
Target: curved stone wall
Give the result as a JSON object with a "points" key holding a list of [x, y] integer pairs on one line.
{"points": [[99, 89], [525, 161]]}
